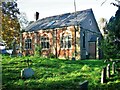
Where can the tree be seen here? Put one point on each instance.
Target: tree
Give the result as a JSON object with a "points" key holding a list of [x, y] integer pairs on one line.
{"points": [[10, 24], [111, 45], [102, 26], [23, 21]]}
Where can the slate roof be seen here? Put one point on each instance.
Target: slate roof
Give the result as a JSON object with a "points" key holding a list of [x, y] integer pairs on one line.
{"points": [[58, 21]]}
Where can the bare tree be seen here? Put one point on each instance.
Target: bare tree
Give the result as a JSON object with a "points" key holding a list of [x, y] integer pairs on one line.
{"points": [[102, 25]]}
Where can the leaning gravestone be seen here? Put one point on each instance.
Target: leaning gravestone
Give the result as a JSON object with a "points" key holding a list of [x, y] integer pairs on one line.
{"points": [[103, 75], [27, 73]]}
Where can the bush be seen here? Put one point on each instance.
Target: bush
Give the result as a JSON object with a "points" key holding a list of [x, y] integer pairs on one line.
{"points": [[51, 55], [109, 49], [37, 51]]}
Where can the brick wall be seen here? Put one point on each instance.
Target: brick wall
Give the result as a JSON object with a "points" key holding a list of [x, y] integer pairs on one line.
{"points": [[54, 42]]}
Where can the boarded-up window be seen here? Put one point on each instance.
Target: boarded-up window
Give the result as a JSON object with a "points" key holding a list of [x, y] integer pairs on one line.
{"points": [[28, 43], [66, 42], [45, 43]]}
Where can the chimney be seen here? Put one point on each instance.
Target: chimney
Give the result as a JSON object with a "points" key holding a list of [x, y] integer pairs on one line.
{"points": [[36, 16]]}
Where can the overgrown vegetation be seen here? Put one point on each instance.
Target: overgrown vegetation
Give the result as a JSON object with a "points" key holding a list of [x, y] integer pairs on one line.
{"points": [[55, 74]]}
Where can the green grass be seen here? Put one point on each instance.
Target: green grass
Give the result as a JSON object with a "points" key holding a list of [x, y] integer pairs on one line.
{"points": [[55, 74]]}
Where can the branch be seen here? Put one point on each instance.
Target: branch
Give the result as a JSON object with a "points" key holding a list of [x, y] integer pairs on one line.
{"points": [[115, 4], [103, 2]]}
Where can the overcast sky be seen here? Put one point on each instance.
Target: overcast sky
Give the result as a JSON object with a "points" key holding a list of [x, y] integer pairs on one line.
{"points": [[55, 7]]}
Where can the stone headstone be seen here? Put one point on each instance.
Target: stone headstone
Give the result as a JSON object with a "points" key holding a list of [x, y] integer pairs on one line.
{"points": [[113, 68], [84, 85], [27, 73], [103, 75], [73, 59], [108, 70]]}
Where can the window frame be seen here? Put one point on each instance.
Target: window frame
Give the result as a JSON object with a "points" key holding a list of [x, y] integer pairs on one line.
{"points": [[28, 44], [66, 42], [44, 43]]}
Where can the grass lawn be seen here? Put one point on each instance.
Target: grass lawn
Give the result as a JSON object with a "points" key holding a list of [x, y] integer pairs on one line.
{"points": [[55, 74]]}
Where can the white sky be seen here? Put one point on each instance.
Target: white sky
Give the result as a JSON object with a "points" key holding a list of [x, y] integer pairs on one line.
{"points": [[55, 7]]}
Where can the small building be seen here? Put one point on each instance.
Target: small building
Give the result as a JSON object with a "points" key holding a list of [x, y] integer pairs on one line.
{"points": [[71, 35]]}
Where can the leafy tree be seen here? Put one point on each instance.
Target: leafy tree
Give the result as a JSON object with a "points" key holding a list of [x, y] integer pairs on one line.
{"points": [[111, 44], [10, 25]]}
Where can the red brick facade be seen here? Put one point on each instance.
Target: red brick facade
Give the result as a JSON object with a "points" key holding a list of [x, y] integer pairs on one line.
{"points": [[55, 42]]}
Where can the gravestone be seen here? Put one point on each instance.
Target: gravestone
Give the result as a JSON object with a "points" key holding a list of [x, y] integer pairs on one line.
{"points": [[108, 70], [27, 73], [84, 85], [103, 75], [73, 59], [113, 68]]}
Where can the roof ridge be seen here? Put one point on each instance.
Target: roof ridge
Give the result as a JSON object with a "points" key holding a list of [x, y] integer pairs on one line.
{"points": [[60, 20], [64, 14]]}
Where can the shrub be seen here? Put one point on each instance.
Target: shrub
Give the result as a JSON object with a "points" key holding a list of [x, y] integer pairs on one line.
{"points": [[51, 55], [37, 51]]}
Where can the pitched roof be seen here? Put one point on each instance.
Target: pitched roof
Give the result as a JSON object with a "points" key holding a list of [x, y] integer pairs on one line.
{"points": [[58, 21]]}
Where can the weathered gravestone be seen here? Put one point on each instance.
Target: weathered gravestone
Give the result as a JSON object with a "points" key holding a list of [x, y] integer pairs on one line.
{"points": [[73, 59], [103, 75], [27, 73], [84, 85], [108, 70], [113, 68]]}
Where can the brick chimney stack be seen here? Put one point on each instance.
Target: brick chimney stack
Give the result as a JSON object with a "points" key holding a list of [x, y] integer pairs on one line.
{"points": [[36, 16]]}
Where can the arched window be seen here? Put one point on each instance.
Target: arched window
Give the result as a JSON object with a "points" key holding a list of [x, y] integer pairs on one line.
{"points": [[28, 43], [45, 43], [66, 42]]}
